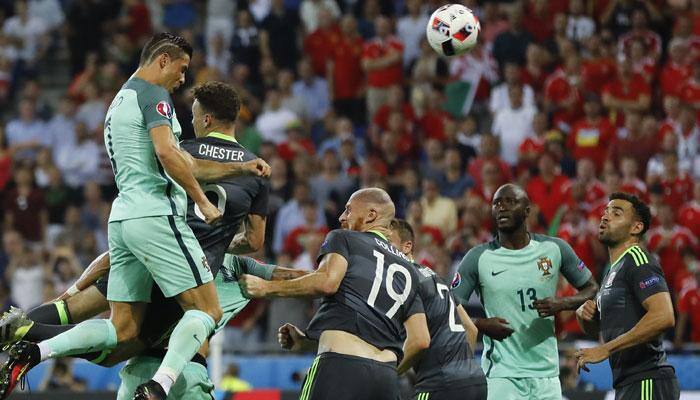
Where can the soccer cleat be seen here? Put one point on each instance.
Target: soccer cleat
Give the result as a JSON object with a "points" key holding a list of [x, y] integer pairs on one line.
{"points": [[23, 357], [14, 325], [150, 390]]}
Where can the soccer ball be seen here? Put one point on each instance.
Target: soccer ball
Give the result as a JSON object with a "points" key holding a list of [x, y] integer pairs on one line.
{"points": [[452, 29]]}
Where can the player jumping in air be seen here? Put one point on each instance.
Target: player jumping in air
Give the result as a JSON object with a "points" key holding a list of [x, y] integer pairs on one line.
{"points": [[369, 290], [516, 276], [447, 369], [149, 239], [632, 309]]}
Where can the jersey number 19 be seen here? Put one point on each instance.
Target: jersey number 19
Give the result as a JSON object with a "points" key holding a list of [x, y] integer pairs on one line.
{"points": [[399, 298]]}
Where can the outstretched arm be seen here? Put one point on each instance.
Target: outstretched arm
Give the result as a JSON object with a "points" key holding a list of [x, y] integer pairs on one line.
{"points": [[551, 305]]}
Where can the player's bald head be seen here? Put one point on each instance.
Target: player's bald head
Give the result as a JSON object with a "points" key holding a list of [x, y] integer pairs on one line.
{"points": [[512, 190], [377, 198]]}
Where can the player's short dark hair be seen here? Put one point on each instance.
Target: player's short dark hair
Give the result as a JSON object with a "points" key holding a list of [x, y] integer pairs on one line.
{"points": [[641, 209], [404, 229], [173, 45], [219, 99]]}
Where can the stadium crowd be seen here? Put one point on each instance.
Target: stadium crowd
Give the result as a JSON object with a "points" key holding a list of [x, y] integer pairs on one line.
{"points": [[572, 99]]}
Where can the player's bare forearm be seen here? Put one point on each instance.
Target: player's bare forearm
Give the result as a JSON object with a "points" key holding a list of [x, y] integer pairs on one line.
{"points": [[587, 292], [472, 332], [656, 321], [314, 284], [417, 341], [285, 274], [97, 269], [178, 166], [212, 171], [251, 237]]}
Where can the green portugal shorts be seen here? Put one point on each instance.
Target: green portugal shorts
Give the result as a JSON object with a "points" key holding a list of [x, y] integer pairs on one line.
{"points": [[161, 249], [192, 384], [524, 388]]}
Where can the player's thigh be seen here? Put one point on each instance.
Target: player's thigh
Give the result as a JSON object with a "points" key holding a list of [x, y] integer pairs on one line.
{"points": [[129, 280], [169, 250], [474, 392], [507, 388], [545, 388], [342, 377], [87, 304], [651, 389]]}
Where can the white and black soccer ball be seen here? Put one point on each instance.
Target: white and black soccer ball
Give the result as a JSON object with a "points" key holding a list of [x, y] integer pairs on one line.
{"points": [[452, 29]]}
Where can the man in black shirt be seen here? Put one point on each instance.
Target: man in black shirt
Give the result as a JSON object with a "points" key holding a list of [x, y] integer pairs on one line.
{"points": [[370, 296], [446, 370], [632, 310]]}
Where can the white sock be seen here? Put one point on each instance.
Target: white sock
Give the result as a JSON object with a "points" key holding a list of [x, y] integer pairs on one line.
{"points": [[45, 351], [166, 378]]}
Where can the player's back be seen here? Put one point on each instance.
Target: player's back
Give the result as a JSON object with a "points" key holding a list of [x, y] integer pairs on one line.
{"points": [[145, 190], [377, 294], [448, 362], [235, 197]]}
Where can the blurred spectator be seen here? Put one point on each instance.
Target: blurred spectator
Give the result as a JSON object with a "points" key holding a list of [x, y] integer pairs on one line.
{"points": [[291, 100], [220, 14], [5, 161], [488, 152], [454, 182], [26, 134], [640, 31], [244, 333], [534, 73], [512, 125], [592, 135], [632, 141], [25, 208], [28, 34], [689, 214], [689, 142], [332, 187], [280, 23], [62, 379], [84, 20], [24, 272], [438, 211], [411, 29], [579, 25], [562, 94], [344, 73], [381, 60], [77, 162], [312, 90], [219, 56], [690, 90], [231, 381], [619, 14], [689, 310], [500, 96], [245, 43], [93, 110], [48, 12], [178, 14], [677, 185], [598, 66], [626, 94], [62, 127], [290, 215], [593, 189], [296, 144], [547, 188], [274, 120], [312, 15], [677, 68], [65, 268], [630, 178], [319, 43], [294, 243], [669, 240], [511, 45]]}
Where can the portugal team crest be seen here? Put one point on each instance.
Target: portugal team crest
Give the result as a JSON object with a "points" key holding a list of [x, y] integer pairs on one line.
{"points": [[165, 109], [544, 264]]}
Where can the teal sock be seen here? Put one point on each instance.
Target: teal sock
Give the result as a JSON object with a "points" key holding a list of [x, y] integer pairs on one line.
{"points": [[86, 337], [187, 337]]}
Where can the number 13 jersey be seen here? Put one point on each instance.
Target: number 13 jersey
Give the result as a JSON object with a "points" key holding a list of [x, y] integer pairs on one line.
{"points": [[377, 294], [507, 282]]}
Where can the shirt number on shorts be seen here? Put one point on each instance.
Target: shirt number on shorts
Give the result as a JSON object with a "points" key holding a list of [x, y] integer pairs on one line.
{"points": [[454, 326], [399, 298], [220, 202]]}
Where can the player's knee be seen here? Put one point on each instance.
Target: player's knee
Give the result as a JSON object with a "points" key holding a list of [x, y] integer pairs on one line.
{"points": [[126, 330], [216, 314]]}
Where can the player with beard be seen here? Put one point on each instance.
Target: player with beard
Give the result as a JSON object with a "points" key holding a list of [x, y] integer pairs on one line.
{"points": [[516, 276], [632, 310], [447, 369], [369, 291]]}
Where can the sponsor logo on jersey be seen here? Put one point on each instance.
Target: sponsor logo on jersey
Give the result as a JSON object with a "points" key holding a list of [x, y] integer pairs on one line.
{"points": [[610, 280], [205, 264], [649, 282], [165, 109], [456, 281], [544, 264]]}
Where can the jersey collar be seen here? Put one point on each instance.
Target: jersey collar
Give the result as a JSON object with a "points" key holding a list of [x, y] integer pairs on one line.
{"points": [[221, 136], [622, 255], [381, 235]]}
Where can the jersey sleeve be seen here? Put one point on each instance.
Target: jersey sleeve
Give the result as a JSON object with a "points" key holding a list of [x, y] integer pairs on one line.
{"points": [[259, 205], [416, 304], [645, 278], [156, 107], [574, 270], [253, 267], [467, 277], [336, 242]]}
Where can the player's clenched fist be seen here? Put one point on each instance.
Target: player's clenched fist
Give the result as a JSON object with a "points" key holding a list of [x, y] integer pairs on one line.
{"points": [[290, 337], [211, 214], [258, 167], [587, 311], [252, 286]]}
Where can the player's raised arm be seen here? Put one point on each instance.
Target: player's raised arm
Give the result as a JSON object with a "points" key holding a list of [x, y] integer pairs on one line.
{"points": [[178, 166], [212, 171]]}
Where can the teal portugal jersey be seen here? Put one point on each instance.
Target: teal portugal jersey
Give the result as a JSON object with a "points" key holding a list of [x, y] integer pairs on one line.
{"points": [[507, 282], [145, 189]]}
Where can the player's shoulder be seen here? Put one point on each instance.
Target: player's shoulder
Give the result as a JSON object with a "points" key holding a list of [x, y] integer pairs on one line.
{"points": [[561, 244], [476, 252], [145, 89], [636, 256]]}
